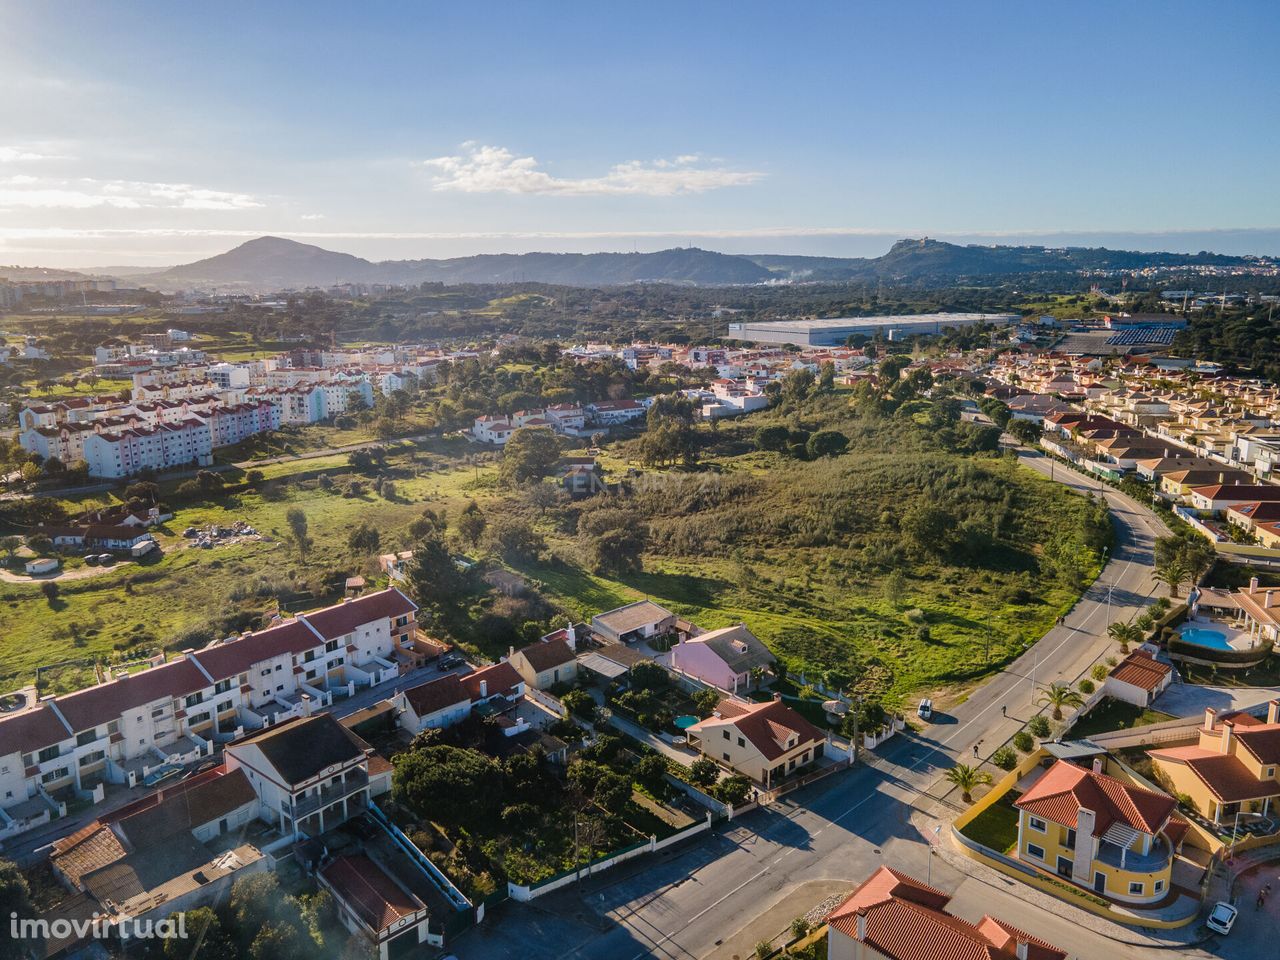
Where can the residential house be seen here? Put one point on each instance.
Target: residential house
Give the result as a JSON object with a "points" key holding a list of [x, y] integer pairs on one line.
{"points": [[725, 658], [1180, 483], [1100, 833], [640, 620], [766, 742], [1138, 679], [1231, 770], [375, 905], [1218, 498], [547, 663], [613, 412], [891, 916], [433, 705], [310, 773], [494, 430]]}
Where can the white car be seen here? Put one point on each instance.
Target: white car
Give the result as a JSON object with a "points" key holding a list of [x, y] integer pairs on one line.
{"points": [[1222, 917]]}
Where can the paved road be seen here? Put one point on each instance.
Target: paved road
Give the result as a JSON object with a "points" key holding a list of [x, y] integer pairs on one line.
{"points": [[686, 902]]}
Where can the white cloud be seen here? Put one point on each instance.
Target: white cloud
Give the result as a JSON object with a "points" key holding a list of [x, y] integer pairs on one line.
{"points": [[485, 169], [313, 216], [14, 155], [86, 193]]}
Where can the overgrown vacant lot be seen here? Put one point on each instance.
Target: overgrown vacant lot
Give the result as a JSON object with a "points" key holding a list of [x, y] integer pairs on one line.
{"points": [[192, 595], [896, 565]]}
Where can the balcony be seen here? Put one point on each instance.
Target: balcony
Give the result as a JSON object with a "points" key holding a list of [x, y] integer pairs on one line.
{"points": [[355, 781], [1154, 862]]}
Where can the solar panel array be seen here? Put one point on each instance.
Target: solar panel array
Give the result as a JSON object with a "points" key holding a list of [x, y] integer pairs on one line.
{"points": [[1160, 335]]}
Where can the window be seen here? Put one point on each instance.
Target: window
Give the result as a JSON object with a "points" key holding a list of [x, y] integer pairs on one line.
{"points": [[222, 686], [1136, 888], [1271, 773], [742, 742], [1036, 824], [267, 672], [92, 757], [192, 700], [331, 646], [1034, 851], [724, 756], [1159, 888], [726, 736], [86, 737], [157, 713]]}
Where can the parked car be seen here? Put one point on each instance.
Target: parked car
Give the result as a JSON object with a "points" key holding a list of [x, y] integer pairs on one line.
{"points": [[925, 710], [106, 559], [1222, 918]]}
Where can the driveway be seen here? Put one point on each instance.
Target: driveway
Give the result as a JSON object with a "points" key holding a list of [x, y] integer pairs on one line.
{"points": [[1191, 699]]}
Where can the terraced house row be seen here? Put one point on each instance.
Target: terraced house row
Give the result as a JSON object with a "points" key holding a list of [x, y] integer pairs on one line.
{"points": [[123, 730]]}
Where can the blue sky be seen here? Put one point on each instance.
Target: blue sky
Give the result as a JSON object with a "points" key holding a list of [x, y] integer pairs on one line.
{"points": [[160, 132]]}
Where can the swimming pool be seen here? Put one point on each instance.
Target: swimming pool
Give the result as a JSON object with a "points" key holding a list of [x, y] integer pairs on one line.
{"points": [[1206, 637], [685, 721]]}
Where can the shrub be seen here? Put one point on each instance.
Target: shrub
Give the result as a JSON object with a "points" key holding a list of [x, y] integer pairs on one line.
{"points": [[1099, 672], [1023, 741], [1004, 758], [1039, 725], [1086, 687]]}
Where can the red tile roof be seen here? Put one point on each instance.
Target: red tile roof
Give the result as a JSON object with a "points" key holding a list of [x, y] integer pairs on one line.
{"points": [[1141, 669], [547, 655], [365, 887], [906, 920], [498, 678], [1060, 793], [767, 725], [237, 656], [436, 695], [342, 618], [1227, 778], [95, 706], [31, 730], [1262, 741]]}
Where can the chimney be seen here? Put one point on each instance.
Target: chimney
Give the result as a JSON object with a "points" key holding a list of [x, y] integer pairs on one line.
{"points": [[1253, 585], [862, 926], [1022, 949], [1228, 728], [511, 652], [1222, 478], [1210, 718], [1099, 764], [1273, 711], [484, 689]]}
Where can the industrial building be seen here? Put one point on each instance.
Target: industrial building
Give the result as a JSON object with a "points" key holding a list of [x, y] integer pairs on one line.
{"points": [[834, 331]]}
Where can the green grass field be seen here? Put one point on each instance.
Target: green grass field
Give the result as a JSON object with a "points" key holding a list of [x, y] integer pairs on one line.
{"points": [[197, 593]]}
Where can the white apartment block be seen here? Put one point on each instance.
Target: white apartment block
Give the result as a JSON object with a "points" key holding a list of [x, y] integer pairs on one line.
{"points": [[122, 730]]}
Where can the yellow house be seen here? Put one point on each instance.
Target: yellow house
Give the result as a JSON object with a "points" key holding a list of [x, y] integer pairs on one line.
{"points": [[1099, 833], [548, 662], [763, 741], [1231, 770]]}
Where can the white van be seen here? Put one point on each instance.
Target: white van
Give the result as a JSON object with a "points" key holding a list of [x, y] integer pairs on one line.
{"points": [[925, 710]]}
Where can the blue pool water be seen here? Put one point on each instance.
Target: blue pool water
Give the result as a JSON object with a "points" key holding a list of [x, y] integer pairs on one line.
{"points": [[1205, 637], [685, 721]]}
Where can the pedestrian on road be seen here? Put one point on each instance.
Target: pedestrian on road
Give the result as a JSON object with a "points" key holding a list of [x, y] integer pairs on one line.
{"points": [[1004, 710], [975, 748]]}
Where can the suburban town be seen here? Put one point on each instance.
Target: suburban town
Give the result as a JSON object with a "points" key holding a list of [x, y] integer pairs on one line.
{"points": [[672, 482]]}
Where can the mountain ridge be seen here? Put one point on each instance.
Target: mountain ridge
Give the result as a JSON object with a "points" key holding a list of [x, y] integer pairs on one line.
{"points": [[272, 263]]}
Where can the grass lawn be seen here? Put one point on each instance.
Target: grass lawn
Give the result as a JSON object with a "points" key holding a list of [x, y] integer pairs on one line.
{"points": [[997, 826], [1115, 715], [190, 595]]}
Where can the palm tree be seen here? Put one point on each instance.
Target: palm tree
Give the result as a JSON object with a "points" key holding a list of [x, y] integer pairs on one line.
{"points": [[1125, 634], [966, 778], [1060, 695], [1173, 572]]}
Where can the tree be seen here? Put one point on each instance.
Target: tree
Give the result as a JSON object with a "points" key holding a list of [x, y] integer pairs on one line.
{"points": [[827, 377], [1026, 432], [253, 900], [705, 701], [967, 778], [772, 438], [734, 790], [450, 784], [891, 367], [253, 477], [364, 539], [433, 580], [648, 675], [827, 443], [1124, 634], [206, 939], [514, 540], [895, 587], [797, 385], [703, 772], [297, 521], [15, 904], [650, 772], [50, 591], [619, 550], [1173, 572], [579, 703], [10, 545], [530, 454], [208, 481], [1059, 695], [471, 523]]}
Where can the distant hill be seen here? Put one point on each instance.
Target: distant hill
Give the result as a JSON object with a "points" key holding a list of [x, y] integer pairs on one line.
{"points": [[27, 274], [272, 263], [937, 260]]}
